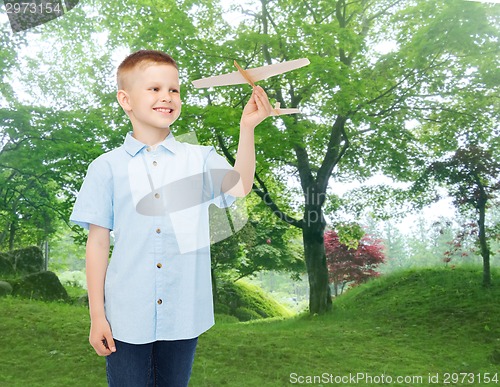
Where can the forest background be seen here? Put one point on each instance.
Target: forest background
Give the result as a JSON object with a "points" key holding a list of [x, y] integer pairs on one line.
{"points": [[400, 109]]}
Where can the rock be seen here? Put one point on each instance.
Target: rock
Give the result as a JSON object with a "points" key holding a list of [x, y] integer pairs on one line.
{"points": [[6, 267], [28, 260], [5, 288], [41, 286]]}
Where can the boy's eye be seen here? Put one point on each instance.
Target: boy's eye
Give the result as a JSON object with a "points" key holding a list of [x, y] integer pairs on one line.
{"points": [[174, 90], [155, 88]]}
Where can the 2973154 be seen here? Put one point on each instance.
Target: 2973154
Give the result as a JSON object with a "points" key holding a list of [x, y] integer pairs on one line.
{"points": [[470, 378], [33, 7]]}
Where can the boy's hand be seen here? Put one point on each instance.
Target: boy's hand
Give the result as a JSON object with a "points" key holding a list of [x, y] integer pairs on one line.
{"points": [[256, 110], [101, 338]]}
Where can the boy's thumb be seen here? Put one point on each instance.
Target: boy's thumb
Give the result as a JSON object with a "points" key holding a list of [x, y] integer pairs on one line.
{"points": [[111, 343]]}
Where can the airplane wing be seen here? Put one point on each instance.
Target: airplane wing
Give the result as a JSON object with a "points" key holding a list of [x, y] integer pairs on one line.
{"points": [[280, 112], [255, 74], [277, 111], [264, 72], [220, 80]]}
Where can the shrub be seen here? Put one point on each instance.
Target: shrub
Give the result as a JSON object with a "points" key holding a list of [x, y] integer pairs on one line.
{"points": [[245, 314], [245, 297]]}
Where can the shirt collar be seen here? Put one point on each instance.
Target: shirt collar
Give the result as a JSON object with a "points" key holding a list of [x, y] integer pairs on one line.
{"points": [[134, 146]]}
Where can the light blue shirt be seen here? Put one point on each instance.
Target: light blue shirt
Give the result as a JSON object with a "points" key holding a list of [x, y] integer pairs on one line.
{"points": [[158, 281]]}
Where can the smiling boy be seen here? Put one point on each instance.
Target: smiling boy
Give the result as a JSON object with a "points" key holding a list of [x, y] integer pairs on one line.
{"points": [[153, 300]]}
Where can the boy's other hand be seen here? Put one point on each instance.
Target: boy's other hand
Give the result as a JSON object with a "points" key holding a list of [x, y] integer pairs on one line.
{"points": [[256, 109], [101, 338]]}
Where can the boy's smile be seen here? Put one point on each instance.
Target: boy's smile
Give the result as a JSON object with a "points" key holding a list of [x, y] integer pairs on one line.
{"points": [[152, 98]]}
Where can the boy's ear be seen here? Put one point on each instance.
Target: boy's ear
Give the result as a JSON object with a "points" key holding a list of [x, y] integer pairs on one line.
{"points": [[123, 100]]}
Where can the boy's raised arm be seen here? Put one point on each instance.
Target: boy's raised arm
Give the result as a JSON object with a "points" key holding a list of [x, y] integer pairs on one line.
{"points": [[255, 111]]}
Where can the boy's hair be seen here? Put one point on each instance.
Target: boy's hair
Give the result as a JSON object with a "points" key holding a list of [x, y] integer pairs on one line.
{"points": [[141, 58]]}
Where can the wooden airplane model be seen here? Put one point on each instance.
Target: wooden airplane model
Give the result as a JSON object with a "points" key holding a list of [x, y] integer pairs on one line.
{"points": [[254, 75]]}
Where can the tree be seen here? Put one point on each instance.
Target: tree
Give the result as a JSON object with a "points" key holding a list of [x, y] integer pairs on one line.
{"points": [[348, 265], [472, 176], [359, 100], [44, 154]]}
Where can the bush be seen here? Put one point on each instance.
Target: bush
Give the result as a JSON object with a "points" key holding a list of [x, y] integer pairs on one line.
{"points": [[247, 302], [245, 314], [221, 309], [28, 260]]}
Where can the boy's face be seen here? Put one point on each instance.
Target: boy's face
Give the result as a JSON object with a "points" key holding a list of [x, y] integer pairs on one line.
{"points": [[151, 97]]}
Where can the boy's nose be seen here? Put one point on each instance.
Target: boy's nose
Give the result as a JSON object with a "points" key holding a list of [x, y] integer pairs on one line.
{"points": [[167, 97]]}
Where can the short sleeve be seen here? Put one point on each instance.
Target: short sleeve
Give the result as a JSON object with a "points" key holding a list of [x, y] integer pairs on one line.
{"points": [[217, 168], [94, 203]]}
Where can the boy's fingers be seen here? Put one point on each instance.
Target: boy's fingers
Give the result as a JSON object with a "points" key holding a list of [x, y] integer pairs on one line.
{"points": [[100, 347], [261, 99]]}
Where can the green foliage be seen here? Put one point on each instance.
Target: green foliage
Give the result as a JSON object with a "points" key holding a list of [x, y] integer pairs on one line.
{"points": [[66, 253], [44, 156], [472, 177], [350, 234], [264, 243], [245, 314], [471, 174], [394, 84]]}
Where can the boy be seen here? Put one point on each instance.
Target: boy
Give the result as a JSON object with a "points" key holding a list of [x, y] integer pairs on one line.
{"points": [[151, 303]]}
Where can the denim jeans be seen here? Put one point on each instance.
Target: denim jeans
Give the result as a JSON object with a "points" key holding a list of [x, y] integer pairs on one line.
{"points": [[157, 364]]}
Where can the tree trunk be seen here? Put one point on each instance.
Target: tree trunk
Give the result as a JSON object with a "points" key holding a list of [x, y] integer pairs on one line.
{"points": [[320, 299], [483, 243], [12, 234]]}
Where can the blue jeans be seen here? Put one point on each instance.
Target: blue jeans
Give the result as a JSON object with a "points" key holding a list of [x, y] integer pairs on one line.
{"points": [[157, 364]]}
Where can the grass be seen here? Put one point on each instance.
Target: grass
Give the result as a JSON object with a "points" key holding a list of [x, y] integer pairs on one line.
{"points": [[416, 323]]}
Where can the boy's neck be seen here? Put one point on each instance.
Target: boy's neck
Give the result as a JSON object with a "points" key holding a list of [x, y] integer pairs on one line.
{"points": [[151, 138]]}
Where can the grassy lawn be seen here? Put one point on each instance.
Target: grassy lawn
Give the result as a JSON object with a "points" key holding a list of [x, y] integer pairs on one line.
{"points": [[410, 324]]}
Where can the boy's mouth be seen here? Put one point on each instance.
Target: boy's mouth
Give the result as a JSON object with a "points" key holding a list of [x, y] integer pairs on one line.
{"points": [[163, 110]]}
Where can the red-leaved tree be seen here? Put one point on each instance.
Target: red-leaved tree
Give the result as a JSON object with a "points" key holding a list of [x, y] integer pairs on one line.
{"points": [[347, 265]]}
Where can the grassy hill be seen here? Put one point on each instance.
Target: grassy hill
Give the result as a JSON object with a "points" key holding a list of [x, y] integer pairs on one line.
{"points": [[418, 325]]}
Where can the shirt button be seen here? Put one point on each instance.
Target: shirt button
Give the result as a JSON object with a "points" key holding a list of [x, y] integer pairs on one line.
{"points": [[159, 265], [159, 301], [157, 195], [158, 230], [148, 149], [155, 163]]}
